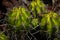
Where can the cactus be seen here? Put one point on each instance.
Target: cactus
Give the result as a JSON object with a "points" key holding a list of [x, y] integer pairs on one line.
{"points": [[19, 17], [50, 19], [3, 36]]}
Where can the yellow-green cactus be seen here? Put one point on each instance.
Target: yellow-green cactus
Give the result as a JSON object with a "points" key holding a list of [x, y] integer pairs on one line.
{"points": [[18, 17], [3, 36], [50, 19], [37, 6], [35, 22]]}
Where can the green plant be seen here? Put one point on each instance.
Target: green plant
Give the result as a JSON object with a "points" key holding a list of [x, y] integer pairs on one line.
{"points": [[3, 36], [21, 17], [51, 20], [34, 22], [37, 7]]}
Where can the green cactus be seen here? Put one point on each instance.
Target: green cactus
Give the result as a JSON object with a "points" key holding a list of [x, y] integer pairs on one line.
{"points": [[35, 22], [50, 19], [37, 6], [19, 17], [3, 36]]}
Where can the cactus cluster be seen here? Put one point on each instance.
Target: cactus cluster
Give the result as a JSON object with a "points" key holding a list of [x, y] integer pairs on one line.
{"points": [[21, 17]]}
